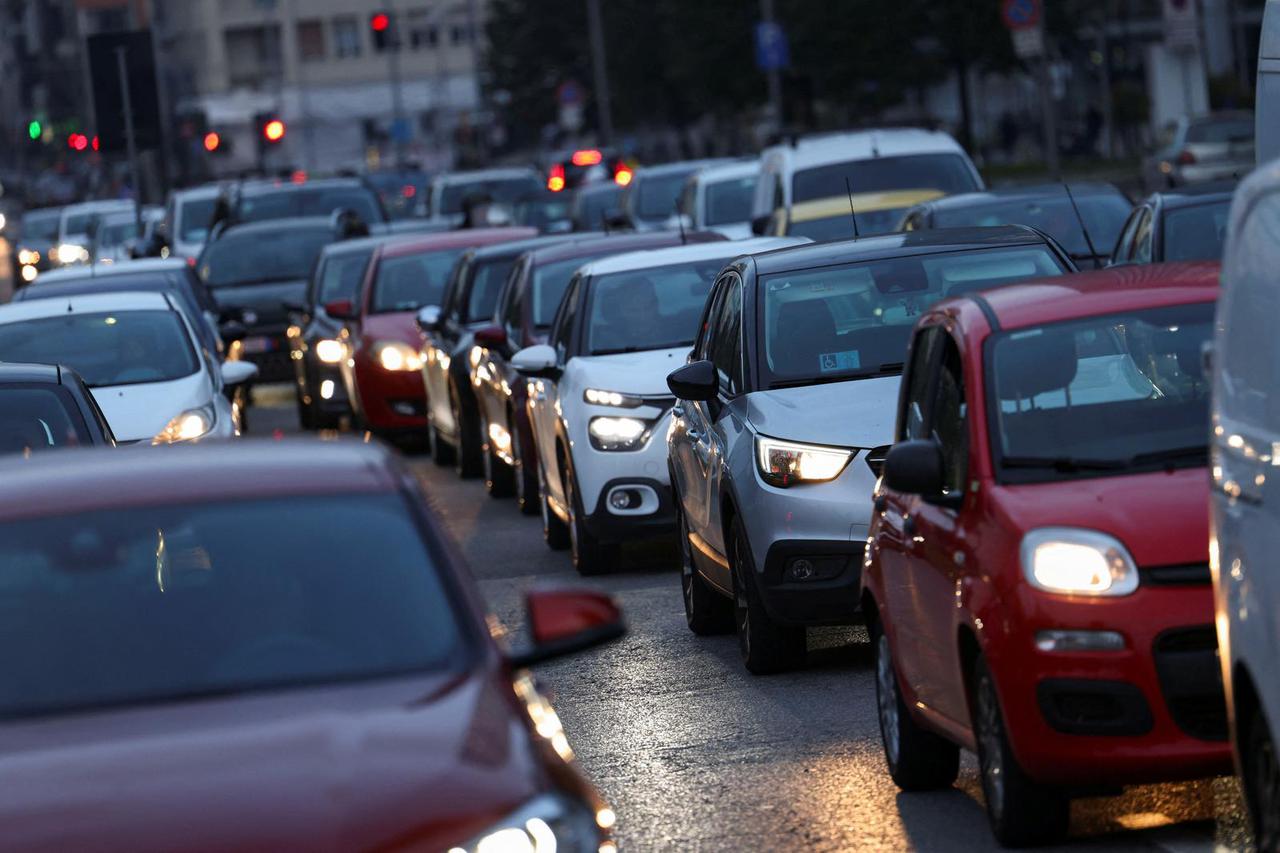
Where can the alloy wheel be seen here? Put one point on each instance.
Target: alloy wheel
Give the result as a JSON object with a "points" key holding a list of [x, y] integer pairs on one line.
{"points": [[741, 609], [887, 699], [686, 566], [991, 753], [1262, 778]]}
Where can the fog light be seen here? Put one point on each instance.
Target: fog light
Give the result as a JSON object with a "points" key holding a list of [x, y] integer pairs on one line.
{"points": [[1080, 641], [801, 570], [624, 499], [326, 389]]}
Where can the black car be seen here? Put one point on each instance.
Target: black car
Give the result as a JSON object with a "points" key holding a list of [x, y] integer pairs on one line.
{"points": [[402, 192], [1102, 207], [1177, 225], [595, 205], [45, 407], [259, 201], [549, 212], [37, 235]]}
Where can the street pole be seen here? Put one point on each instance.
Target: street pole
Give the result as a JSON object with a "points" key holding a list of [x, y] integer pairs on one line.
{"points": [[397, 96], [1050, 118], [123, 69], [304, 98], [601, 72], [774, 74]]}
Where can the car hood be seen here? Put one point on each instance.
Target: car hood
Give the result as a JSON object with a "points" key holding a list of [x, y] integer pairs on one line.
{"points": [[139, 412], [643, 373], [858, 413], [266, 300], [423, 762], [398, 326]]}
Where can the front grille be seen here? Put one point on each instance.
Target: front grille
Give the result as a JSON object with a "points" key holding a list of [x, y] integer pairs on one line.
{"points": [[275, 366], [1186, 575], [1191, 680]]}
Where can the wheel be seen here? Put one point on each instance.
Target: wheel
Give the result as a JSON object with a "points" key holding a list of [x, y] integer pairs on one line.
{"points": [[554, 531], [467, 459], [590, 555], [441, 451], [1022, 812], [706, 611], [526, 477], [498, 479], [766, 646], [306, 417], [918, 759], [1261, 776]]}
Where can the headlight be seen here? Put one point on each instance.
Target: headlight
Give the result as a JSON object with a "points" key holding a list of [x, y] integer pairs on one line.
{"points": [[30, 273], [188, 426], [1073, 561], [70, 253], [28, 256], [330, 352], [552, 823], [611, 398], [395, 356], [785, 463], [618, 433]]}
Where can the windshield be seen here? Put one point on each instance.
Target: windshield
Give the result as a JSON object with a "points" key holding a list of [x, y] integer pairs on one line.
{"points": [[414, 281], [487, 279], [730, 201], [656, 194], [949, 173], [34, 419], [41, 227], [1104, 393], [1196, 233], [505, 190], [649, 309], [340, 276], [1104, 215], [844, 322], [550, 281], [164, 603], [592, 205], [262, 256], [125, 348], [1220, 132], [194, 216], [318, 202], [78, 224], [115, 233]]}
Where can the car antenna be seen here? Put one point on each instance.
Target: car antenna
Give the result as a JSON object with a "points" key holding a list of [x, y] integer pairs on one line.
{"points": [[680, 221], [853, 214], [1089, 240]]}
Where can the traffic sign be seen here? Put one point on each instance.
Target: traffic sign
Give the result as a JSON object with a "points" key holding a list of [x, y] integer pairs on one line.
{"points": [[1021, 14], [570, 94], [772, 51]]}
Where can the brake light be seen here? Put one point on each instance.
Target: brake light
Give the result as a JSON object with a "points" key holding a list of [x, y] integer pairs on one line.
{"points": [[191, 261], [555, 180], [587, 157], [298, 177], [623, 175], [1186, 158]]}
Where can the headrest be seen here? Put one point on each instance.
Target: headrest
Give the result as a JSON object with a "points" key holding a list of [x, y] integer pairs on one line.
{"points": [[1032, 365], [811, 317]]}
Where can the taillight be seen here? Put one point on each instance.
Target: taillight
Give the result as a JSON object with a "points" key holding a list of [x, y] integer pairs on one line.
{"points": [[587, 157], [1186, 158], [623, 175], [555, 180], [191, 261]]}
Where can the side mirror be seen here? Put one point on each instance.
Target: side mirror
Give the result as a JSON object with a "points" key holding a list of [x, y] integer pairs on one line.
{"points": [[760, 224], [914, 468], [232, 330], [429, 318], [491, 336], [539, 362], [696, 381], [341, 309], [565, 621], [238, 372]]}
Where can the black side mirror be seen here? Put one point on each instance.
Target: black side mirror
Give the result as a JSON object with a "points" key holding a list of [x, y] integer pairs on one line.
{"points": [[915, 468], [697, 382], [760, 225]]}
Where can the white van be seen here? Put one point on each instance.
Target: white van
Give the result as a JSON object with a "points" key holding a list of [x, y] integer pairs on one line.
{"points": [[1267, 111], [1245, 533], [719, 198], [864, 161]]}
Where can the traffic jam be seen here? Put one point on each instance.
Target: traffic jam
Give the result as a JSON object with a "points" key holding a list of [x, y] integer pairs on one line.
{"points": [[854, 491]]}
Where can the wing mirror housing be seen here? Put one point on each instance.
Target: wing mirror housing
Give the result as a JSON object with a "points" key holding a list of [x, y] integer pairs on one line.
{"points": [[341, 309], [696, 382], [491, 336], [238, 372], [566, 621], [538, 362], [915, 468], [429, 318]]}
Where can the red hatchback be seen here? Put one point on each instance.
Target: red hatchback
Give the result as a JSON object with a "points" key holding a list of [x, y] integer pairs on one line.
{"points": [[383, 369], [1036, 578], [268, 647]]}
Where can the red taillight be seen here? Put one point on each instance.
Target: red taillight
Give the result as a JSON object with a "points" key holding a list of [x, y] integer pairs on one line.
{"points": [[623, 175], [408, 191], [587, 157], [1186, 158], [298, 177], [191, 261], [555, 180]]}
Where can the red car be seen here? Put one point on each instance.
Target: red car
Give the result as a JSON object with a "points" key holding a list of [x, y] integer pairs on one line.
{"points": [[383, 368], [1036, 578], [196, 654]]}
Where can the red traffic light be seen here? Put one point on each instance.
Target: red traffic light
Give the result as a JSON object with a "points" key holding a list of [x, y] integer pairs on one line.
{"points": [[94, 144], [380, 22], [274, 130], [78, 142], [212, 141]]}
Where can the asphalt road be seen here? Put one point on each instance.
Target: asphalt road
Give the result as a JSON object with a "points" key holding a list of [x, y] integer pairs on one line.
{"points": [[696, 754]]}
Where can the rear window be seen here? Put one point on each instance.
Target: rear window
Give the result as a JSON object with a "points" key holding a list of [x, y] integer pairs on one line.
{"points": [[38, 418], [730, 201], [947, 173], [1103, 214], [1196, 233], [41, 227], [502, 191], [1209, 132], [321, 202]]}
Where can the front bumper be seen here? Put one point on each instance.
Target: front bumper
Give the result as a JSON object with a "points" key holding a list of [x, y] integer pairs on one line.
{"points": [[643, 473], [320, 384], [390, 401], [654, 518]]}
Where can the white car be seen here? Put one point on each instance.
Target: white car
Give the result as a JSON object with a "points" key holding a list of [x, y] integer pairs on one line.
{"points": [[865, 161], [1245, 519], [719, 198], [447, 195], [117, 233], [76, 227], [599, 403], [188, 217], [140, 357]]}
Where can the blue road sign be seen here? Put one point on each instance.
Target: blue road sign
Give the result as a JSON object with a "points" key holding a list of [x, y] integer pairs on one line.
{"points": [[772, 52], [1021, 14]]}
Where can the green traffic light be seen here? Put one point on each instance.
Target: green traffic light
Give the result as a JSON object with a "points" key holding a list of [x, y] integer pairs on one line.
{"points": [[34, 130]]}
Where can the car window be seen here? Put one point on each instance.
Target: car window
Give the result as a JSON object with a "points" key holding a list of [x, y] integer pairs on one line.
{"points": [[1104, 216], [1123, 250], [911, 420], [487, 278], [649, 309], [656, 194], [260, 256], [340, 277], [706, 332], [410, 282], [1232, 130], [591, 206], [1196, 233], [727, 347], [323, 202], [949, 173], [689, 200], [40, 226], [730, 201], [35, 418], [511, 309], [826, 229], [1141, 253], [194, 218], [547, 289], [949, 419], [562, 329], [501, 190]]}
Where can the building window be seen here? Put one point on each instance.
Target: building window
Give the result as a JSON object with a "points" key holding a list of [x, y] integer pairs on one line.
{"points": [[346, 36], [311, 41], [253, 54], [422, 32]]}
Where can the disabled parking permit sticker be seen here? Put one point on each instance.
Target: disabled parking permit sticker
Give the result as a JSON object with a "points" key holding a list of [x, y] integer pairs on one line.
{"points": [[830, 362]]}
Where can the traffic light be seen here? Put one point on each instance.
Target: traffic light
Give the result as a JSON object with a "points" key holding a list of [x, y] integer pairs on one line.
{"points": [[35, 129], [380, 27], [273, 129], [212, 141]]}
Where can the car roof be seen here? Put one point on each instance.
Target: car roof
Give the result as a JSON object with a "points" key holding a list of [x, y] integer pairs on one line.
{"points": [[515, 248], [42, 373], [653, 258], [288, 223], [198, 193], [89, 303], [464, 238], [317, 185], [1195, 194], [678, 166], [86, 480], [840, 205], [481, 175], [867, 145], [148, 282], [359, 244], [897, 245], [618, 243], [729, 171], [1088, 189], [98, 204], [1086, 294], [104, 270]]}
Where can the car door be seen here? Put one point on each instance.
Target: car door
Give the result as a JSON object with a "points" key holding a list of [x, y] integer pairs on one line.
{"points": [[1124, 243], [440, 354], [724, 423], [544, 399]]}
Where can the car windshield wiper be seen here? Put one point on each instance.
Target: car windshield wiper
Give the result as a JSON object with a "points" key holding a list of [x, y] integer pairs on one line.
{"points": [[1193, 452], [1064, 464], [892, 368], [639, 348]]}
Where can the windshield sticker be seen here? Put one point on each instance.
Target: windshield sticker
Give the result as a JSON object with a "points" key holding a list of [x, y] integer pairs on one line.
{"points": [[829, 362]]}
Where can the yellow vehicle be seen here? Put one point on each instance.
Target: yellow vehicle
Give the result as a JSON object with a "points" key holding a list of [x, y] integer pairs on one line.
{"points": [[832, 218]]}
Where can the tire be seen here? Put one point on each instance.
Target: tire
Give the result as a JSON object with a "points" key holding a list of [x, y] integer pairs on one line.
{"points": [[1022, 812], [705, 610], [590, 555], [554, 531], [306, 417], [1260, 772], [526, 478], [766, 646], [442, 453], [467, 459], [499, 480], [918, 759]]}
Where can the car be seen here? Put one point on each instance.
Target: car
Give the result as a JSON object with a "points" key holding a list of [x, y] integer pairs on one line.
{"points": [[649, 200], [77, 226], [37, 238], [718, 198], [595, 205], [260, 201], [118, 232], [1178, 225], [256, 270], [549, 212], [140, 356], [382, 368], [449, 194], [1085, 222], [400, 191], [447, 339], [185, 631], [598, 408], [46, 407], [188, 219], [785, 412], [865, 161], [1244, 441], [1193, 150], [843, 216], [568, 170], [523, 318], [1037, 584]]}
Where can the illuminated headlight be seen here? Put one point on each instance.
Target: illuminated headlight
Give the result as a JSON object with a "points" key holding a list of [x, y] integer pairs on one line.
{"points": [[785, 463], [611, 398], [1073, 561], [188, 426], [29, 274], [330, 352], [552, 823], [28, 256], [618, 433], [395, 356], [71, 253]]}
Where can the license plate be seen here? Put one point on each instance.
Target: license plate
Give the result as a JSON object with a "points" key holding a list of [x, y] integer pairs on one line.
{"points": [[258, 344]]}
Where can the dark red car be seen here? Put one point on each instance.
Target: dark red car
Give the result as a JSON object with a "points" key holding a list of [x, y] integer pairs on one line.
{"points": [[268, 647], [1037, 576], [382, 371]]}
